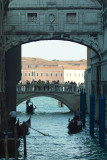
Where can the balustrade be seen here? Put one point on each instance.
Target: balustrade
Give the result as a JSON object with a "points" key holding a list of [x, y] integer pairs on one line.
{"points": [[46, 88]]}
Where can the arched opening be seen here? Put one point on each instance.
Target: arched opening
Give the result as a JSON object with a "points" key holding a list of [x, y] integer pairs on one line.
{"points": [[44, 105], [64, 48], [54, 53]]}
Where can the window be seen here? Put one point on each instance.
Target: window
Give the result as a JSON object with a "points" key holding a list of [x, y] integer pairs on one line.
{"points": [[70, 74], [61, 74], [51, 74], [29, 66], [46, 74], [29, 74], [32, 17], [41, 74], [67, 74], [37, 74], [56, 74], [71, 17], [25, 74], [32, 73]]}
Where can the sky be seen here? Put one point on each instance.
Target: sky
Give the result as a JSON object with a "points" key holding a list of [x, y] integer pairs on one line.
{"points": [[54, 49]]}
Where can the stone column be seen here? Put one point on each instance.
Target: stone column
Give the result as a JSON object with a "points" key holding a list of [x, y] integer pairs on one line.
{"points": [[3, 122], [13, 76]]}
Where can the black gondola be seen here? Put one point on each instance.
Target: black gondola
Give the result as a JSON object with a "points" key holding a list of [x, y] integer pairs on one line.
{"points": [[74, 126], [24, 127]]}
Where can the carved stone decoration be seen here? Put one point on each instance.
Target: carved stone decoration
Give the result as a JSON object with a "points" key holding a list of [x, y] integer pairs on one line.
{"points": [[51, 17]]}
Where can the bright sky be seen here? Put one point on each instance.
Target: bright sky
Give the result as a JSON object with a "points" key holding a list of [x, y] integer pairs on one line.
{"points": [[54, 49]]}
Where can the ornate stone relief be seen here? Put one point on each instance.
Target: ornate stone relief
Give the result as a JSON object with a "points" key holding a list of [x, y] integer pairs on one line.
{"points": [[51, 17]]}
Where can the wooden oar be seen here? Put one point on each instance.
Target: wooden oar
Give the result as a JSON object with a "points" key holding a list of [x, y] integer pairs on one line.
{"points": [[39, 131]]}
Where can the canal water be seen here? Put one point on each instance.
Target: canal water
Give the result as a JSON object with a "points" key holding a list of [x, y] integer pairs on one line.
{"points": [[52, 120]]}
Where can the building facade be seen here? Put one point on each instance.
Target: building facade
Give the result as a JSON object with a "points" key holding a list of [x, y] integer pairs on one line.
{"points": [[44, 73], [74, 74], [62, 71]]}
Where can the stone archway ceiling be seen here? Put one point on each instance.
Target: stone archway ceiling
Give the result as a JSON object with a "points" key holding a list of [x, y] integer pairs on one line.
{"points": [[54, 3]]}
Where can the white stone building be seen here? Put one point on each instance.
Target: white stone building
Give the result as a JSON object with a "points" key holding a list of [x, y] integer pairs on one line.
{"points": [[74, 74]]}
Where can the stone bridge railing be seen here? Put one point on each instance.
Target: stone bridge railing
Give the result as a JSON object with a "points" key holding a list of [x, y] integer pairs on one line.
{"points": [[47, 88]]}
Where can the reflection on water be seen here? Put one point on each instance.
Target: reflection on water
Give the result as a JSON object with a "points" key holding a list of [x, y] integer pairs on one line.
{"points": [[59, 145]]}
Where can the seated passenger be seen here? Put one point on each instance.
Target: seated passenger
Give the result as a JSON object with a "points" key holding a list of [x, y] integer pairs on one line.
{"points": [[79, 123]]}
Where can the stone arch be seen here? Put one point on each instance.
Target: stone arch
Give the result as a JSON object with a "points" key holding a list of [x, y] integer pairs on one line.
{"points": [[86, 40], [52, 95]]}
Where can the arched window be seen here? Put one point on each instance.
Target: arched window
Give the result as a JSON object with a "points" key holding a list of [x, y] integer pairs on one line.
{"points": [[51, 74], [32, 73]]}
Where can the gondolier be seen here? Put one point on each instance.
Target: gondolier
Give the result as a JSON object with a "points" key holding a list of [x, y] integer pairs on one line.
{"points": [[12, 117], [29, 106]]}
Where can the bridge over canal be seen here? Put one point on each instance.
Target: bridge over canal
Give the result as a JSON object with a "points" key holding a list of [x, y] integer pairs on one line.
{"points": [[67, 94]]}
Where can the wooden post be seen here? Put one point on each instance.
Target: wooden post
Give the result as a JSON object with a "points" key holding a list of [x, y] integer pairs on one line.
{"points": [[15, 136], [84, 108], [24, 138], [6, 146], [81, 104], [102, 121], [92, 113]]}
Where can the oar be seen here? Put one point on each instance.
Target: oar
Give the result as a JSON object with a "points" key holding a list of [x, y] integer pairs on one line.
{"points": [[39, 131]]}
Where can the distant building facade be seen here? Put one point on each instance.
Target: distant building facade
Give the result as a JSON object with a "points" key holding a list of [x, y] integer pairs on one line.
{"points": [[74, 74], [44, 73], [34, 69]]}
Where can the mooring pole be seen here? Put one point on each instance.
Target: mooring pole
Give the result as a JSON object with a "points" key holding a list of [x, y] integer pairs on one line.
{"points": [[92, 112], [84, 108], [101, 121], [81, 104], [16, 138], [6, 146], [24, 138]]}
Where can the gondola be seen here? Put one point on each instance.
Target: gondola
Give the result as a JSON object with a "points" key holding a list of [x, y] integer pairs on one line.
{"points": [[10, 142], [29, 107], [74, 126], [23, 128]]}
